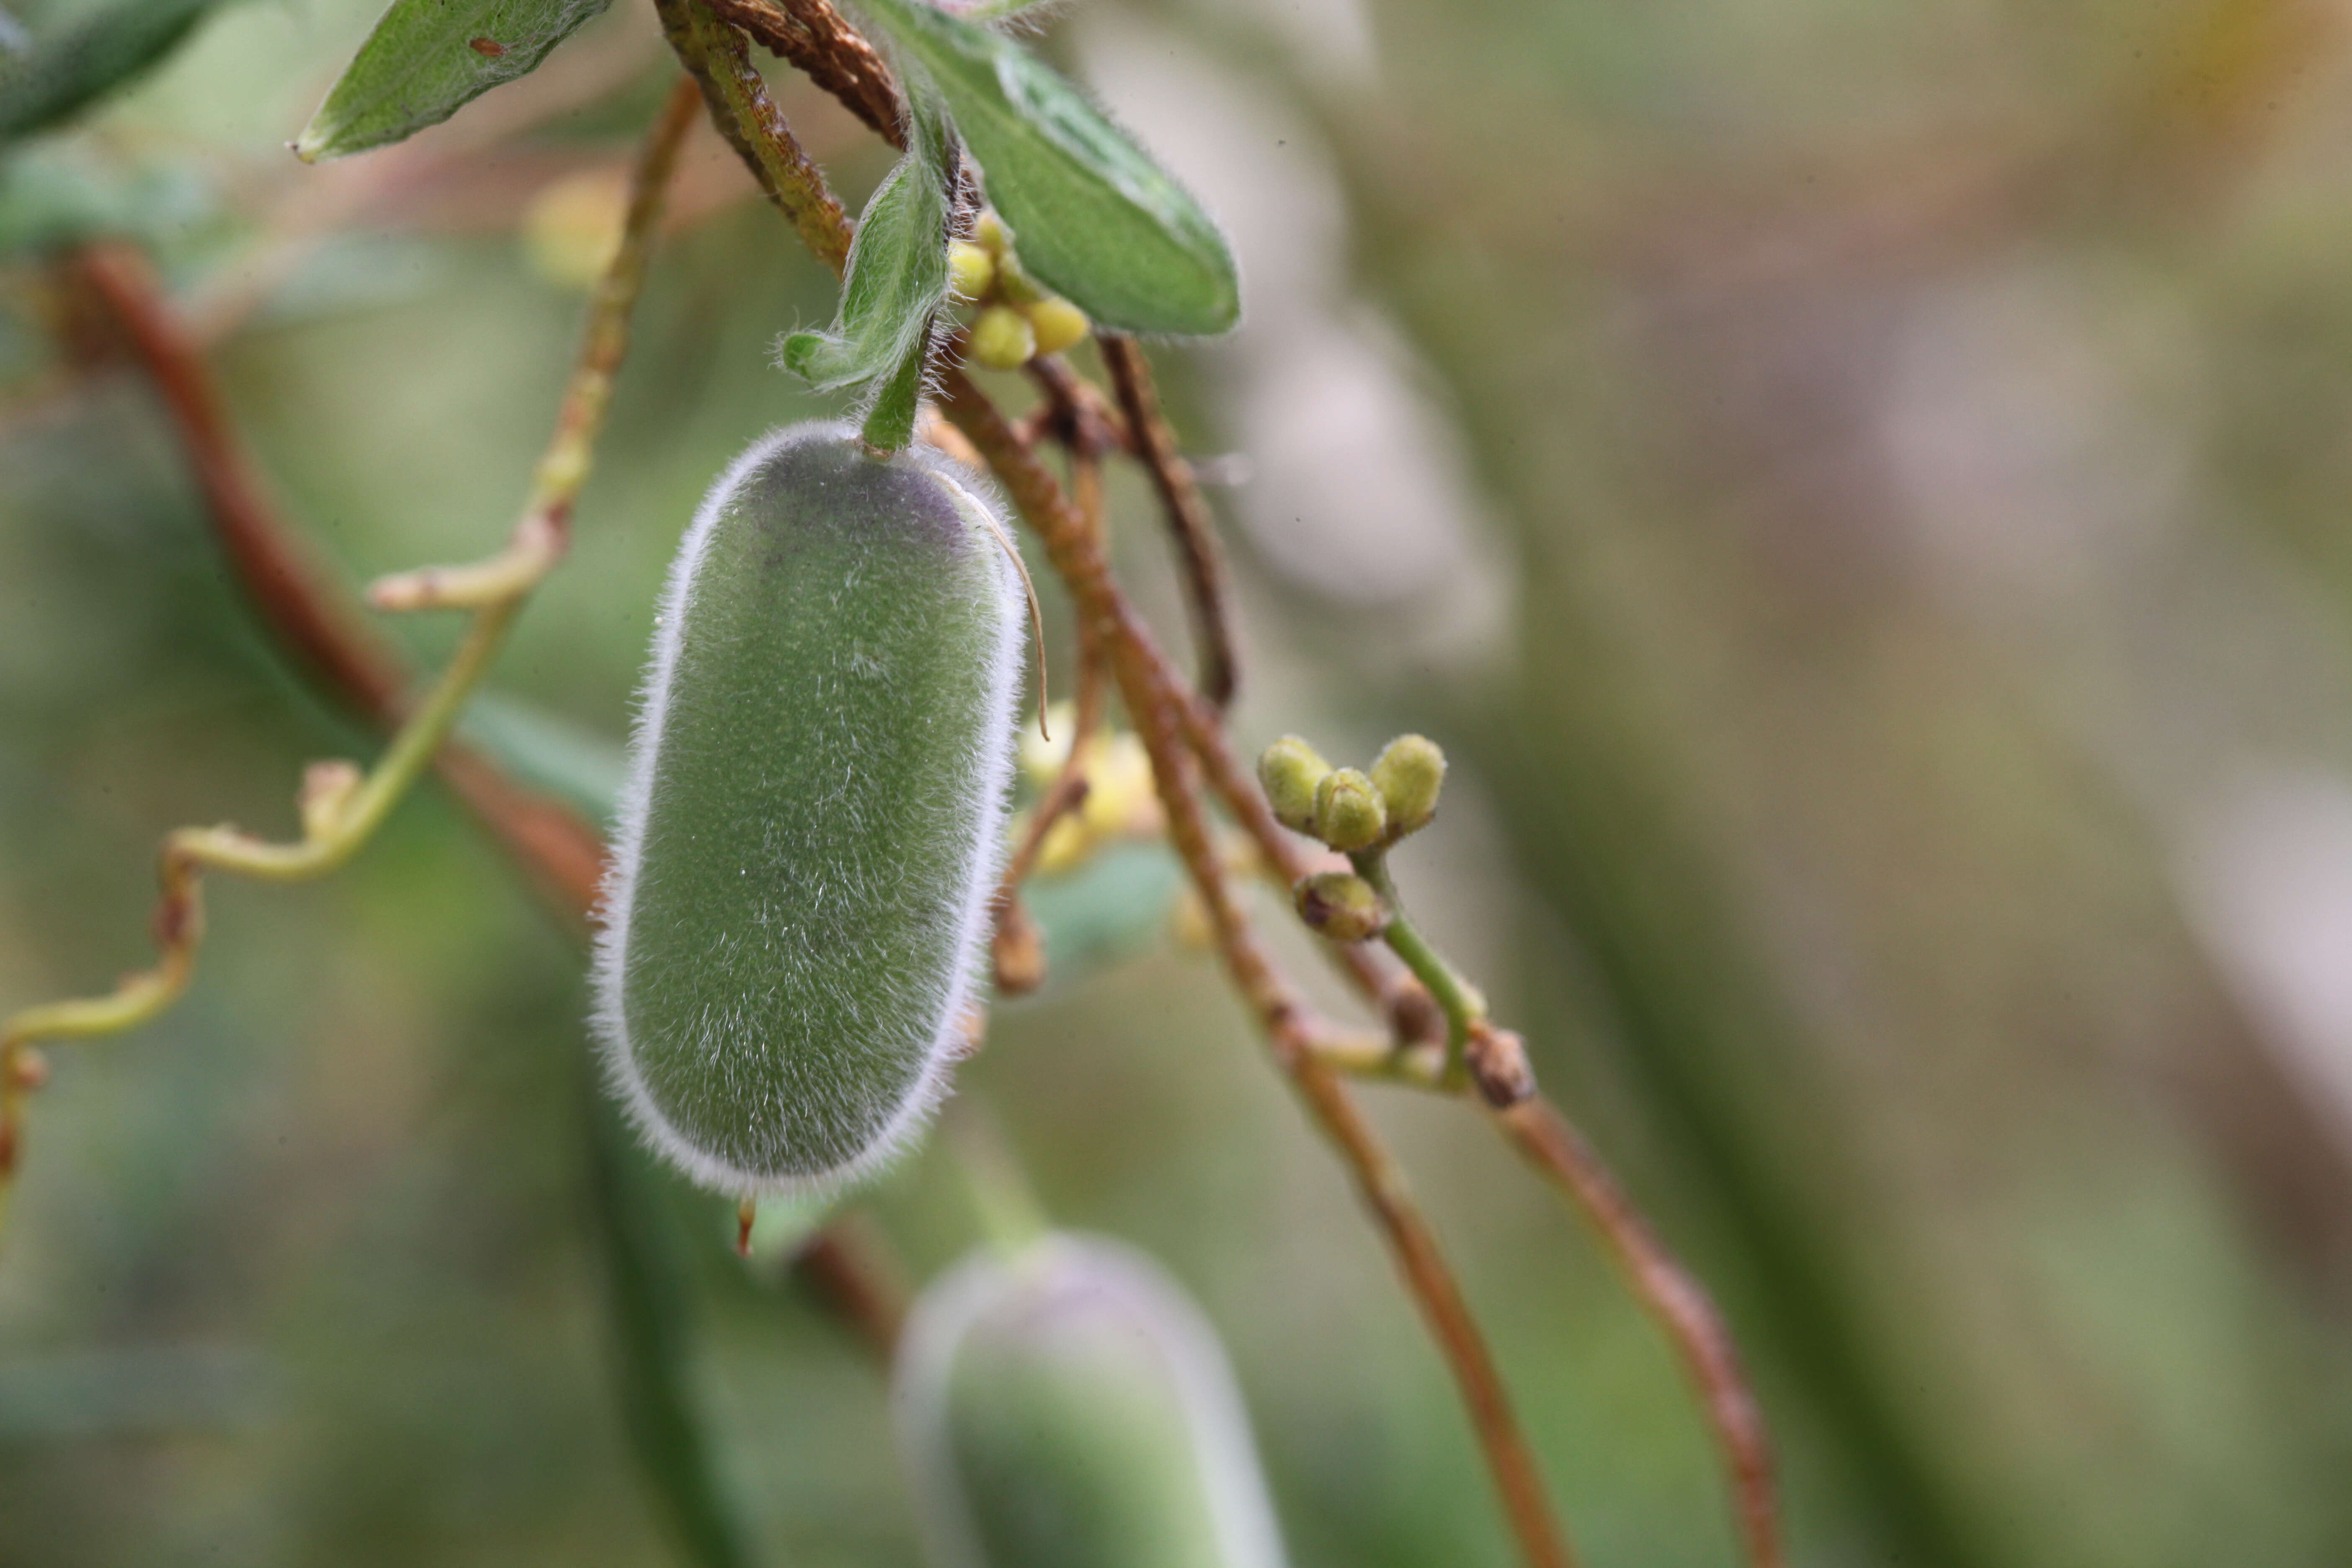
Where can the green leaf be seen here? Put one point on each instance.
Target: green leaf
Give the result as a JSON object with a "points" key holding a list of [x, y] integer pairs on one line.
{"points": [[1109, 908], [427, 60], [890, 417], [548, 751], [1094, 217], [44, 81], [896, 281], [61, 193]]}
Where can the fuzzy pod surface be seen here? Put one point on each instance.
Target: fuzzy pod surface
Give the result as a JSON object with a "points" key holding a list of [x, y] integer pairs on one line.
{"points": [[812, 825], [1068, 1407]]}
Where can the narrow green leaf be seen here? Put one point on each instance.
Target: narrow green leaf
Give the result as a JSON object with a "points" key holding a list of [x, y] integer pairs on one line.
{"points": [[1094, 217], [896, 281], [653, 1341], [427, 60], [549, 750], [890, 417], [45, 80]]}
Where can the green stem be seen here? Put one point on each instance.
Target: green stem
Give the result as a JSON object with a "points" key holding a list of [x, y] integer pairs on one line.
{"points": [[1463, 1006], [1010, 1215]]}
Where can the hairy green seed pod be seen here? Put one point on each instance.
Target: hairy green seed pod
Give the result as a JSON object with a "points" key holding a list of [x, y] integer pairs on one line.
{"points": [[810, 830], [1067, 1407], [1349, 812], [1341, 906], [1289, 771], [1409, 774]]}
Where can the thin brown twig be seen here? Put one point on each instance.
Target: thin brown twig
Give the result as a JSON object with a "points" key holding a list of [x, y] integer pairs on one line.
{"points": [[1189, 523], [851, 1263], [1673, 1297], [811, 34], [715, 55], [1551, 1142], [1075, 409], [1018, 948], [1139, 670]]}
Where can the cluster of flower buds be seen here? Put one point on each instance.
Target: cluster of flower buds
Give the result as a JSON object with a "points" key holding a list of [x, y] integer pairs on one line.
{"points": [[1356, 812], [1018, 320]]}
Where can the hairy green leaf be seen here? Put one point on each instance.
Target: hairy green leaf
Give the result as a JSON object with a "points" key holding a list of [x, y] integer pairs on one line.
{"points": [[1093, 216], [45, 80], [896, 281], [427, 60]]}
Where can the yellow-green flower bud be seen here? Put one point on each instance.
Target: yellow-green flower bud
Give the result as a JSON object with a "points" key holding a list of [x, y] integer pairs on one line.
{"points": [[971, 270], [1002, 339], [1341, 906], [1349, 812], [989, 233], [1409, 774], [1290, 771], [1059, 325]]}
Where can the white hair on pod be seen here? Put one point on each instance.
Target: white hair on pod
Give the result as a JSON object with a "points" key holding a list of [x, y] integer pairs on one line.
{"points": [[990, 776]]}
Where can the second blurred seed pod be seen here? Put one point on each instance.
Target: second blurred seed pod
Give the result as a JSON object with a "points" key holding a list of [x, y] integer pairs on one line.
{"points": [[1067, 1407]]}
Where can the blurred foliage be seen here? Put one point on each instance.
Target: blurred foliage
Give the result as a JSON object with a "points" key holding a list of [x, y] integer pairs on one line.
{"points": [[1857, 490]]}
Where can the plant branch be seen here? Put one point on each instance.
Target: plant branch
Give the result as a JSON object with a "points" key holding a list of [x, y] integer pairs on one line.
{"points": [[851, 1263], [714, 53], [1189, 521], [1679, 1303], [339, 809], [811, 34], [1144, 681]]}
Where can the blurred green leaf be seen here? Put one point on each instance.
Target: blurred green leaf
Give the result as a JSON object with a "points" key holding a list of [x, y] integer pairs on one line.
{"points": [[654, 1333], [427, 60], [45, 81], [895, 282], [1111, 907], [1095, 217], [58, 196], [549, 750]]}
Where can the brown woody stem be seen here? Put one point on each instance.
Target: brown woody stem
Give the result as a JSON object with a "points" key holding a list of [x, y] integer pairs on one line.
{"points": [[714, 53], [1677, 1301], [829, 52], [1194, 531], [1144, 681]]}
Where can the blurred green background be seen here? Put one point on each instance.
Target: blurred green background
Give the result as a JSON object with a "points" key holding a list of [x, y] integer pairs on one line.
{"points": [[1858, 490]]}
